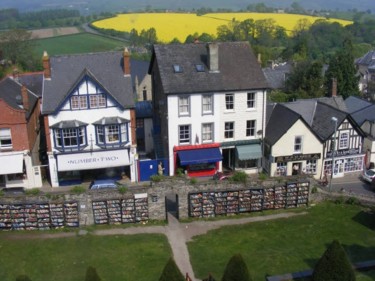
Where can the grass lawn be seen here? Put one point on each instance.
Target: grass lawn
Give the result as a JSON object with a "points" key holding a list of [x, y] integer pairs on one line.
{"points": [[131, 258], [287, 245], [76, 44]]}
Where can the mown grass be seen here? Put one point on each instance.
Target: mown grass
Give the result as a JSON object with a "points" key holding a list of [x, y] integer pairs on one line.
{"points": [[131, 258], [287, 245], [76, 44]]}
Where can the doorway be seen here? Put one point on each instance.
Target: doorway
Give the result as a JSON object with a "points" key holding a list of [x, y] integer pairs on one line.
{"points": [[171, 205], [296, 168]]}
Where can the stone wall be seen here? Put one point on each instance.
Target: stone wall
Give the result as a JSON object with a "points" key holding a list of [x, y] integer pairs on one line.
{"points": [[156, 193]]}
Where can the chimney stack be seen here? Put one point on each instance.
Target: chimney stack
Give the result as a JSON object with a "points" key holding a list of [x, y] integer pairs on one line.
{"points": [[334, 87], [126, 57], [25, 98], [46, 66], [15, 74], [213, 57]]}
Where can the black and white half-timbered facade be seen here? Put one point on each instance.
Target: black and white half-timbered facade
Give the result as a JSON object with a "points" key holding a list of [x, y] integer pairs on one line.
{"points": [[89, 115], [307, 136]]}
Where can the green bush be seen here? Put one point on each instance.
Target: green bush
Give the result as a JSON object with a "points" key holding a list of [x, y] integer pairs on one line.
{"points": [[339, 200], [92, 275], [239, 177], [156, 178], [314, 189], [236, 270], [78, 189], [171, 272], [179, 172], [262, 176], [33, 191], [122, 189], [193, 181], [334, 265]]}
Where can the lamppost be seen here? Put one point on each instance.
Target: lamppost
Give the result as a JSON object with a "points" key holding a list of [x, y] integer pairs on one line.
{"points": [[333, 119]]}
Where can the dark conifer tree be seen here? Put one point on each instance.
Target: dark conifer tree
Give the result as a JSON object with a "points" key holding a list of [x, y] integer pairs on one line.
{"points": [[236, 270]]}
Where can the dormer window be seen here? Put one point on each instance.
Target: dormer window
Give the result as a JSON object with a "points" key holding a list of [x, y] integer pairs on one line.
{"points": [[177, 68], [199, 67]]}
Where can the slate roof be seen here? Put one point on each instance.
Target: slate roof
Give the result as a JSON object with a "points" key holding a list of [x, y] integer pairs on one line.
{"points": [[354, 104], [143, 109], [367, 60], [10, 92], [276, 75], [238, 68], [105, 68], [138, 68], [33, 82], [316, 114], [281, 120]]}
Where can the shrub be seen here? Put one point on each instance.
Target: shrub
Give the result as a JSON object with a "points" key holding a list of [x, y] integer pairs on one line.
{"points": [[262, 176], [179, 172], [156, 178], [33, 191], [334, 265], [236, 270], [171, 272], [239, 177], [122, 189], [78, 189], [92, 275], [193, 181], [209, 278], [314, 189], [339, 200]]}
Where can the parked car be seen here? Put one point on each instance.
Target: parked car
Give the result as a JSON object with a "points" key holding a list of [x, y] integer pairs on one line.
{"points": [[368, 175], [104, 184], [13, 190]]}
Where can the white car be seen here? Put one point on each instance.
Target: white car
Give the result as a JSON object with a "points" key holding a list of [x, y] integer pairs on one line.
{"points": [[368, 175]]}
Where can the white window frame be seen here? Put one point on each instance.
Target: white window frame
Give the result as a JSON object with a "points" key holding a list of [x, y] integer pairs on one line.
{"points": [[207, 104], [229, 102], [297, 146], [6, 136], [184, 106], [344, 139], [251, 100], [207, 132], [229, 132], [78, 102], [311, 167], [251, 126], [184, 134]]}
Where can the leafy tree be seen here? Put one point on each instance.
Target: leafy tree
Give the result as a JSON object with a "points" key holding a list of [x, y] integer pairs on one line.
{"points": [[92, 275], [306, 79], [334, 265], [278, 96], [236, 270], [171, 272], [342, 68], [22, 278]]}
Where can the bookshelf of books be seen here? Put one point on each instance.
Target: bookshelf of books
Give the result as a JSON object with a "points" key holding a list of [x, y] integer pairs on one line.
{"points": [[37, 216], [214, 203]]}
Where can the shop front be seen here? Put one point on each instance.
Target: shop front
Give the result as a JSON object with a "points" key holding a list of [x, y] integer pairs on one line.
{"points": [[346, 161], [198, 160], [16, 170], [75, 168], [296, 164]]}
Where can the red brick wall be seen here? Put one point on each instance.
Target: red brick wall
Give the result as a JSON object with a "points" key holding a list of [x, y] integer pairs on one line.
{"points": [[16, 121]]}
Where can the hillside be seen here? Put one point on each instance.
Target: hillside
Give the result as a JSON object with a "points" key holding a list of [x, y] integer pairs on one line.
{"points": [[96, 6]]}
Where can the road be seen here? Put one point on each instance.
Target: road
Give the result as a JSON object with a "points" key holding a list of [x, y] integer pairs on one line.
{"points": [[352, 184]]}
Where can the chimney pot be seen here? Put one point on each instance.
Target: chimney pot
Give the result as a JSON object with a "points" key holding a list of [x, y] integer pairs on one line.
{"points": [[46, 66], [126, 57], [213, 57], [25, 98], [334, 87]]}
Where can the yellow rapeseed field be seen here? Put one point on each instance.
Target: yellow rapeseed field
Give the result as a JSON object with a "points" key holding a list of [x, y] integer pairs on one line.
{"points": [[178, 25]]}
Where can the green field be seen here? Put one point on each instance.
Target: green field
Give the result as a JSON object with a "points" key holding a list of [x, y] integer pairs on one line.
{"points": [[76, 44], [287, 245], [130, 258]]}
